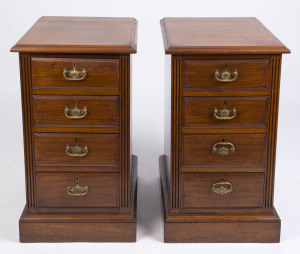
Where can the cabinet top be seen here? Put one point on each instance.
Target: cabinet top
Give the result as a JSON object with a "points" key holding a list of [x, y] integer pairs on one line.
{"points": [[219, 36], [80, 35]]}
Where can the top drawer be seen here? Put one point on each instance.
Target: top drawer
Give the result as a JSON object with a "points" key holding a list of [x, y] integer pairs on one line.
{"points": [[75, 73], [251, 74]]}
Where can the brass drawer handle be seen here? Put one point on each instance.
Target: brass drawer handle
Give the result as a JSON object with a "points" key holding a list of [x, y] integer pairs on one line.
{"points": [[77, 190], [224, 114], [77, 151], [74, 75], [226, 76], [223, 148], [75, 113], [222, 188]]}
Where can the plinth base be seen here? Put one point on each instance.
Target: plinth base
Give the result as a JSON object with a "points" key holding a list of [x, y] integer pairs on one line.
{"points": [[82, 227], [216, 228]]}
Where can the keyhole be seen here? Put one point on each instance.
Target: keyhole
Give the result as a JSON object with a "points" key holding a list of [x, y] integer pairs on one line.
{"points": [[224, 103], [223, 140], [222, 179], [226, 66], [77, 178], [76, 140], [75, 102]]}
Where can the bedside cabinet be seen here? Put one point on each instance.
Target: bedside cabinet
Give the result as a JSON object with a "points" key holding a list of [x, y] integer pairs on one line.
{"points": [[221, 110], [81, 178]]}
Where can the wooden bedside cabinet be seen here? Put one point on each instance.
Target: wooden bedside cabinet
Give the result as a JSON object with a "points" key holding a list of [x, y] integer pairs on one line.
{"points": [[81, 178], [221, 109]]}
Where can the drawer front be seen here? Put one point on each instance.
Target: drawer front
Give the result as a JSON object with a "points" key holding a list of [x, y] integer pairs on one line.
{"points": [[100, 73], [223, 150], [239, 190], [77, 149], [65, 190], [76, 111], [252, 74], [220, 112]]}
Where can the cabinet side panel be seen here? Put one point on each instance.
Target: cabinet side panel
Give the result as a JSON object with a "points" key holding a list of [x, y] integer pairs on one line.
{"points": [[272, 136], [25, 77]]}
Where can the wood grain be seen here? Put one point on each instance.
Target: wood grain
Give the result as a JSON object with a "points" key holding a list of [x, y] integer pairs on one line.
{"points": [[103, 111], [253, 74], [249, 150], [197, 191], [218, 36], [78, 232], [101, 73], [103, 149], [103, 190], [80, 35], [197, 112], [222, 232]]}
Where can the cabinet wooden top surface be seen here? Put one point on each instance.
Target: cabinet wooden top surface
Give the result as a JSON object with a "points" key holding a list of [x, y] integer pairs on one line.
{"points": [[219, 36], [80, 35]]}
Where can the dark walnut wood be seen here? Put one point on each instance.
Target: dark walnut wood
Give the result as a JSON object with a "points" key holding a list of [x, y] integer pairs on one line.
{"points": [[217, 174], [80, 35], [106, 167]]}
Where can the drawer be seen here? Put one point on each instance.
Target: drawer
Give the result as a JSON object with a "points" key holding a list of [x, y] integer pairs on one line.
{"points": [[239, 190], [220, 112], [102, 150], [223, 150], [63, 190], [99, 73], [75, 111], [252, 74]]}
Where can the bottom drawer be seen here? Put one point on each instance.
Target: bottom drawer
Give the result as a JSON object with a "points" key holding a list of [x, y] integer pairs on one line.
{"points": [[69, 190], [221, 191]]}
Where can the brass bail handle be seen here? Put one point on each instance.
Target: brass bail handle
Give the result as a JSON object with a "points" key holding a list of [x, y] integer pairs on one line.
{"points": [[223, 148], [226, 76], [224, 114], [74, 74], [222, 188], [76, 151], [75, 113], [77, 190]]}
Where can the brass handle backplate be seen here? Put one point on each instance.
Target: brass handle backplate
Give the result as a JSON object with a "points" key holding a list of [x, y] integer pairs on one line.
{"points": [[77, 190], [75, 113], [222, 188], [74, 75], [226, 76], [223, 148], [77, 151], [224, 114]]}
